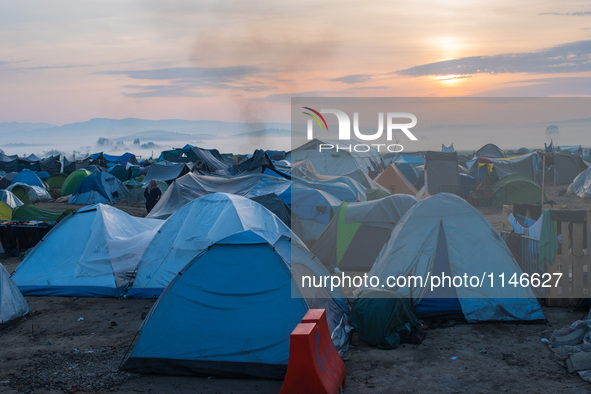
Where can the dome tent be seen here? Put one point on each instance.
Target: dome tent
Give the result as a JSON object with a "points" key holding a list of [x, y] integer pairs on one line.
{"points": [[99, 188], [72, 182], [192, 229], [358, 231], [243, 275], [28, 193], [103, 245], [445, 234]]}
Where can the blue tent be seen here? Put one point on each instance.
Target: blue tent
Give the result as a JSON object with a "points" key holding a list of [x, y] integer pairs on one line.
{"points": [[99, 188], [88, 254], [230, 311], [28, 177], [443, 234]]}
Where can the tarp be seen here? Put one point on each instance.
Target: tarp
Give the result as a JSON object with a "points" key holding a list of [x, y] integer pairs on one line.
{"points": [[10, 199], [7, 179], [441, 172], [8, 164], [192, 229], [247, 304], [29, 194], [581, 185], [12, 303], [525, 165], [89, 254], [336, 163], [99, 188], [165, 171], [50, 164], [444, 233], [191, 186]]}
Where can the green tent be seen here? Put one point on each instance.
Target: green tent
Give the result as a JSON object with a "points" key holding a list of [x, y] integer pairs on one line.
{"points": [[517, 189], [56, 181], [73, 181], [31, 212], [5, 211]]}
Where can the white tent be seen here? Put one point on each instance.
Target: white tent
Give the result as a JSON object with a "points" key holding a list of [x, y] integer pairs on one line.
{"points": [[12, 303]]}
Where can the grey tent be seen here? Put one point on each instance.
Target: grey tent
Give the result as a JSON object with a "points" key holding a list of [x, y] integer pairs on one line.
{"points": [[525, 165], [490, 151], [165, 171], [566, 168], [441, 172], [358, 231]]}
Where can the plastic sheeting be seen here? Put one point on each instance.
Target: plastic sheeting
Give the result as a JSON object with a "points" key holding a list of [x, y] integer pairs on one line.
{"points": [[192, 186], [10, 199], [473, 248], [12, 303], [191, 230], [29, 194], [89, 254], [165, 171], [581, 185]]}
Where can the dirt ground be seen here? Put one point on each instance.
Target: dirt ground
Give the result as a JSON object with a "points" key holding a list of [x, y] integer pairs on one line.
{"points": [[71, 344]]}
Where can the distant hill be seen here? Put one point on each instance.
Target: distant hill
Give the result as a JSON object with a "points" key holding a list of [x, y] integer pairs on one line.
{"points": [[22, 126]]}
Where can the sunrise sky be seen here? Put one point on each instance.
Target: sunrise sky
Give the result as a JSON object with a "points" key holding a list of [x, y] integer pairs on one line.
{"points": [[69, 61]]}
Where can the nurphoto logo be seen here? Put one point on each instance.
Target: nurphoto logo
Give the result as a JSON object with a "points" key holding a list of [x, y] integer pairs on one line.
{"points": [[392, 120]]}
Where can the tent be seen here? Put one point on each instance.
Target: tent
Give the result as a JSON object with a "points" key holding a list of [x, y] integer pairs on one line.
{"points": [[120, 172], [358, 231], [72, 182], [581, 185], [490, 151], [192, 229], [517, 189], [29, 194], [311, 210], [566, 168], [336, 163], [394, 180], [276, 205], [231, 310], [91, 253], [99, 188], [31, 212], [5, 211], [10, 199], [443, 234], [28, 177], [50, 164], [525, 165], [12, 303], [191, 186], [8, 164], [57, 180], [441, 172], [165, 171]]}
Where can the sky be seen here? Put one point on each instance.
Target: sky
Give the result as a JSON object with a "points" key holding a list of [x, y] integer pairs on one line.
{"points": [[70, 61]]}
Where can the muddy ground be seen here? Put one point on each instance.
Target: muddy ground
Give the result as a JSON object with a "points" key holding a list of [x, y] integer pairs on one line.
{"points": [[71, 344]]}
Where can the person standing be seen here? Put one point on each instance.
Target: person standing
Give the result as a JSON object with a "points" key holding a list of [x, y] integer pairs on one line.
{"points": [[152, 195]]}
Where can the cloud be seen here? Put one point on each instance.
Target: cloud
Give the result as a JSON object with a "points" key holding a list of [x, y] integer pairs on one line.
{"points": [[543, 87], [578, 13], [565, 58], [352, 79], [183, 81]]}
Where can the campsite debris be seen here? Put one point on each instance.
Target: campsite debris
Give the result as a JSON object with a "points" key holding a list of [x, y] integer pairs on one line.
{"points": [[453, 358], [545, 340], [80, 319], [572, 347]]}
